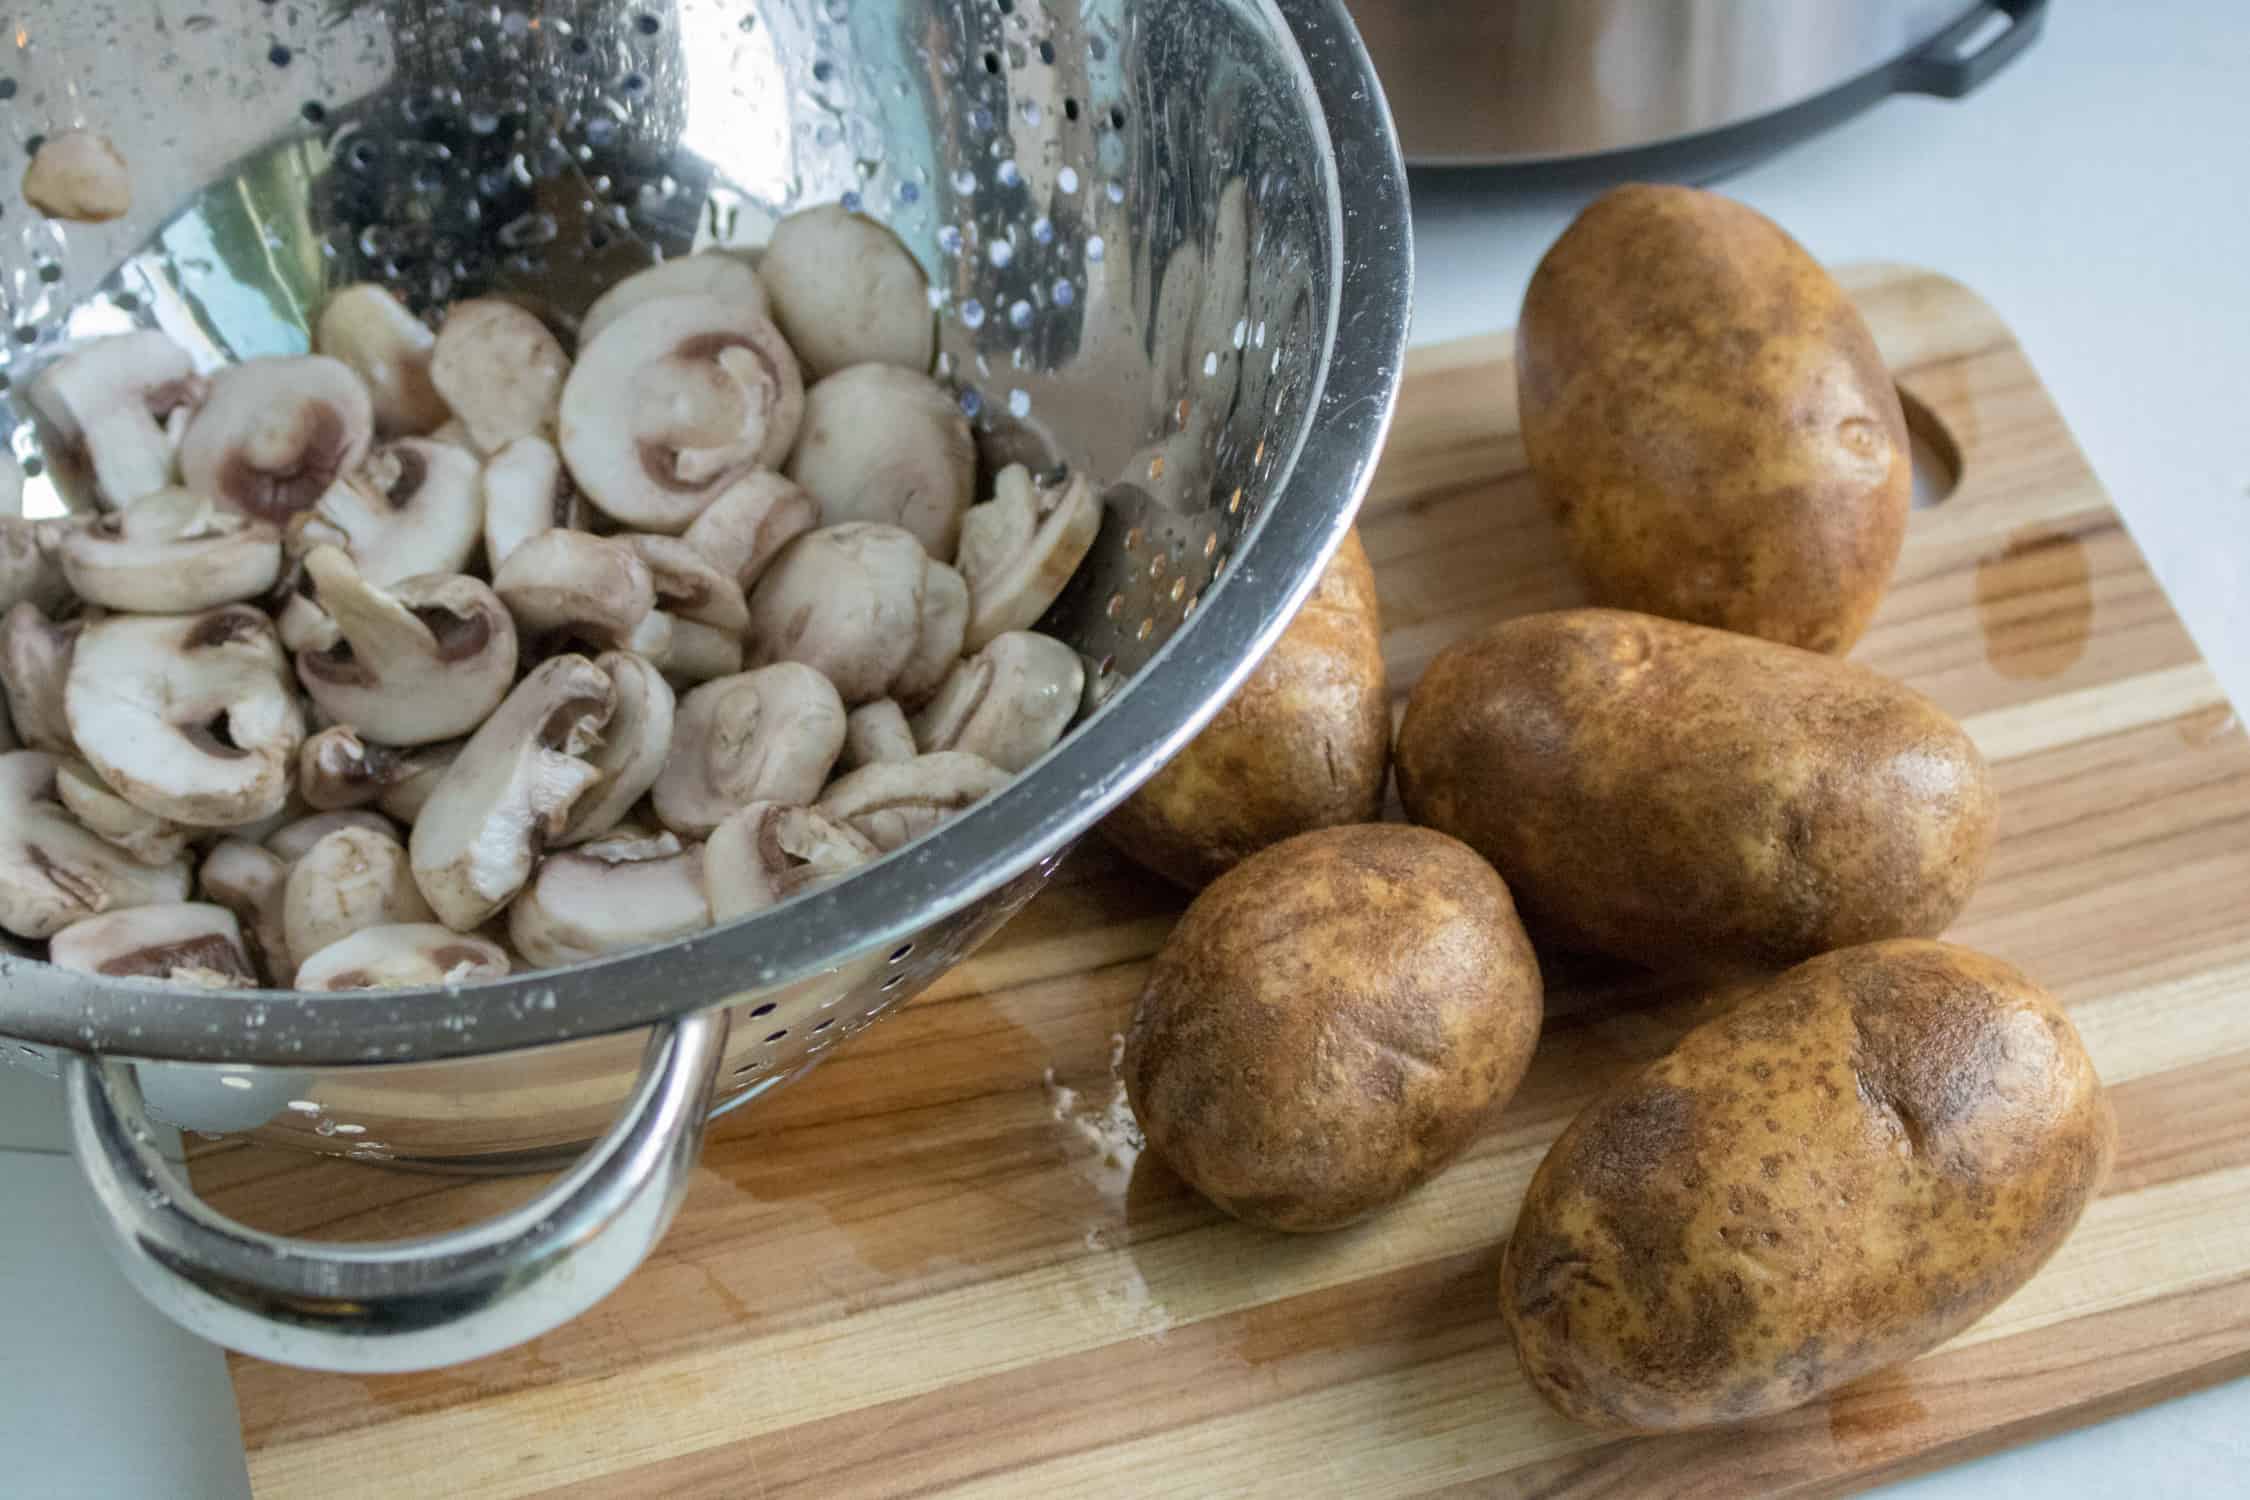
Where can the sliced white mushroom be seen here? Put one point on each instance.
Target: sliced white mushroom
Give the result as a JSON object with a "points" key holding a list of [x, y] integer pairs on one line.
{"points": [[30, 568], [405, 956], [749, 523], [415, 506], [510, 792], [880, 443], [634, 745], [294, 838], [712, 273], [185, 942], [302, 625], [1021, 547], [389, 348], [404, 801], [527, 491], [581, 905], [251, 882], [148, 838], [877, 732], [35, 654], [1009, 703], [633, 839], [675, 400], [691, 653], [78, 175], [456, 432], [337, 769], [500, 370], [104, 406], [689, 587], [273, 434], [193, 717], [938, 641], [351, 880], [846, 291], [895, 802], [573, 585], [170, 552], [771, 735], [53, 872], [420, 662], [845, 600], [768, 852]]}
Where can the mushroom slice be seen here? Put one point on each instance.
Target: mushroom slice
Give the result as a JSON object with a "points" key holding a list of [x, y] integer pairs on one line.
{"points": [[937, 645], [768, 852], [500, 370], [510, 792], [406, 955], [688, 587], [689, 652], [1009, 703], [52, 871], [404, 801], [35, 655], [104, 405], [634, 744], [389, 349], [295, 838], [274, 434], [185, 942], [172, 552], [846, 601], [633, 840], [78, 175], [527, 491], [712, 273], [1021, 547], [414, 507], [746, 527], [672, 403], [771, 735], [884, 444], [192, 717], [573, 585], [30, 570], [351, 880], [846, 291], [877, 732], [251, 882], [420, 662], [893, 803], [148, 838], [336, 769], [580, 905]]}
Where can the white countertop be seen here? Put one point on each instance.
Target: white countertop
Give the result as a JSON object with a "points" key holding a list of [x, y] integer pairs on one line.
{"points": [[2098, 194]]}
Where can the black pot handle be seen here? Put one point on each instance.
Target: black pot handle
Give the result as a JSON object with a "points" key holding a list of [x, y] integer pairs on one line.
{"points": [[1940, 71]]}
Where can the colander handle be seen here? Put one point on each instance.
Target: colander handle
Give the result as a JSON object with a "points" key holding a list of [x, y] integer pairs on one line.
{"points": [[407, 1304]]}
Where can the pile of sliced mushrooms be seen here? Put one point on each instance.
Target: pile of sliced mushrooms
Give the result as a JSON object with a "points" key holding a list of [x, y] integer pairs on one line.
{"points": [[432, 657]]}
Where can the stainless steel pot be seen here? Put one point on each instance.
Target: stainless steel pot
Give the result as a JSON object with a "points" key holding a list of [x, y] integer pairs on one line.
{"points": [[1170, 247], [1665, 88]]}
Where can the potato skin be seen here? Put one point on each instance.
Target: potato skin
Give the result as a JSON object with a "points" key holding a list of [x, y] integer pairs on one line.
{"points": [[1711, 421], [1691, 798], [1304, 744], [1849, 1168], [1331, 1022]]}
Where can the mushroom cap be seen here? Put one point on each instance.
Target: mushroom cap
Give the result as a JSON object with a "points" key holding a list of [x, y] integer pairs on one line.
{"points": [[192, 717], [673, 402], [689, 587], [937, 644], [892, 803], [1020, 548], [415, 506], [526, 491], [404, 800], [422, 661], [767, 852], [103, 405], [35, 657], [581, 904], [877, 732], [295, 838], [148, 838], [690, 653], [274, 434], [499, 369], [53, 872], [881, 443], [406, 955], [510, 791], [251, 882], [30, 566], [389, 349], [573, 585], [185, 942], [337, 769], [770, 735], [634, 745], [78, 175], [846, 291], [302, 625], [351, 879], [171, 552], [712, 273], [749, 523], [846, 601], [1009, 703]]}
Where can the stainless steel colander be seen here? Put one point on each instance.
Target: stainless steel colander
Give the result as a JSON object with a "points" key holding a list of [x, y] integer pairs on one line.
{"points": [[1168, 246]]}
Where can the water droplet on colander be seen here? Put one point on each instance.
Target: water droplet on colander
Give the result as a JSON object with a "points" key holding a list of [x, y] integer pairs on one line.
{"points": [[514, 23], [1031, 111], [972, 313], [1019, 403], [527, 230], [1093, 247], [1008, 174], [849, 202], [1001, 252], [971, 402], [980, 119], [1019, 316], [1116, 192], [325, 1127], [1067, 179], [483, 122], [964, 182], [1043, 230], [601, 129], [1064, 294], [949, 238]]}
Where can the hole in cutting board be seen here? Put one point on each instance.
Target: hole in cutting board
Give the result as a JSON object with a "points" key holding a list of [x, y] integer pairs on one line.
{"points": [[1937, 457]]}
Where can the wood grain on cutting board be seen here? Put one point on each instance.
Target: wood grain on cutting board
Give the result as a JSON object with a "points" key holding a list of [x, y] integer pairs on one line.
{"points": [[939, 1265]]}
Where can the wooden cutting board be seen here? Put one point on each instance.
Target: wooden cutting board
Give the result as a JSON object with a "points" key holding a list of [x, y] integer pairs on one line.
{"points": [[940, 1266]]}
